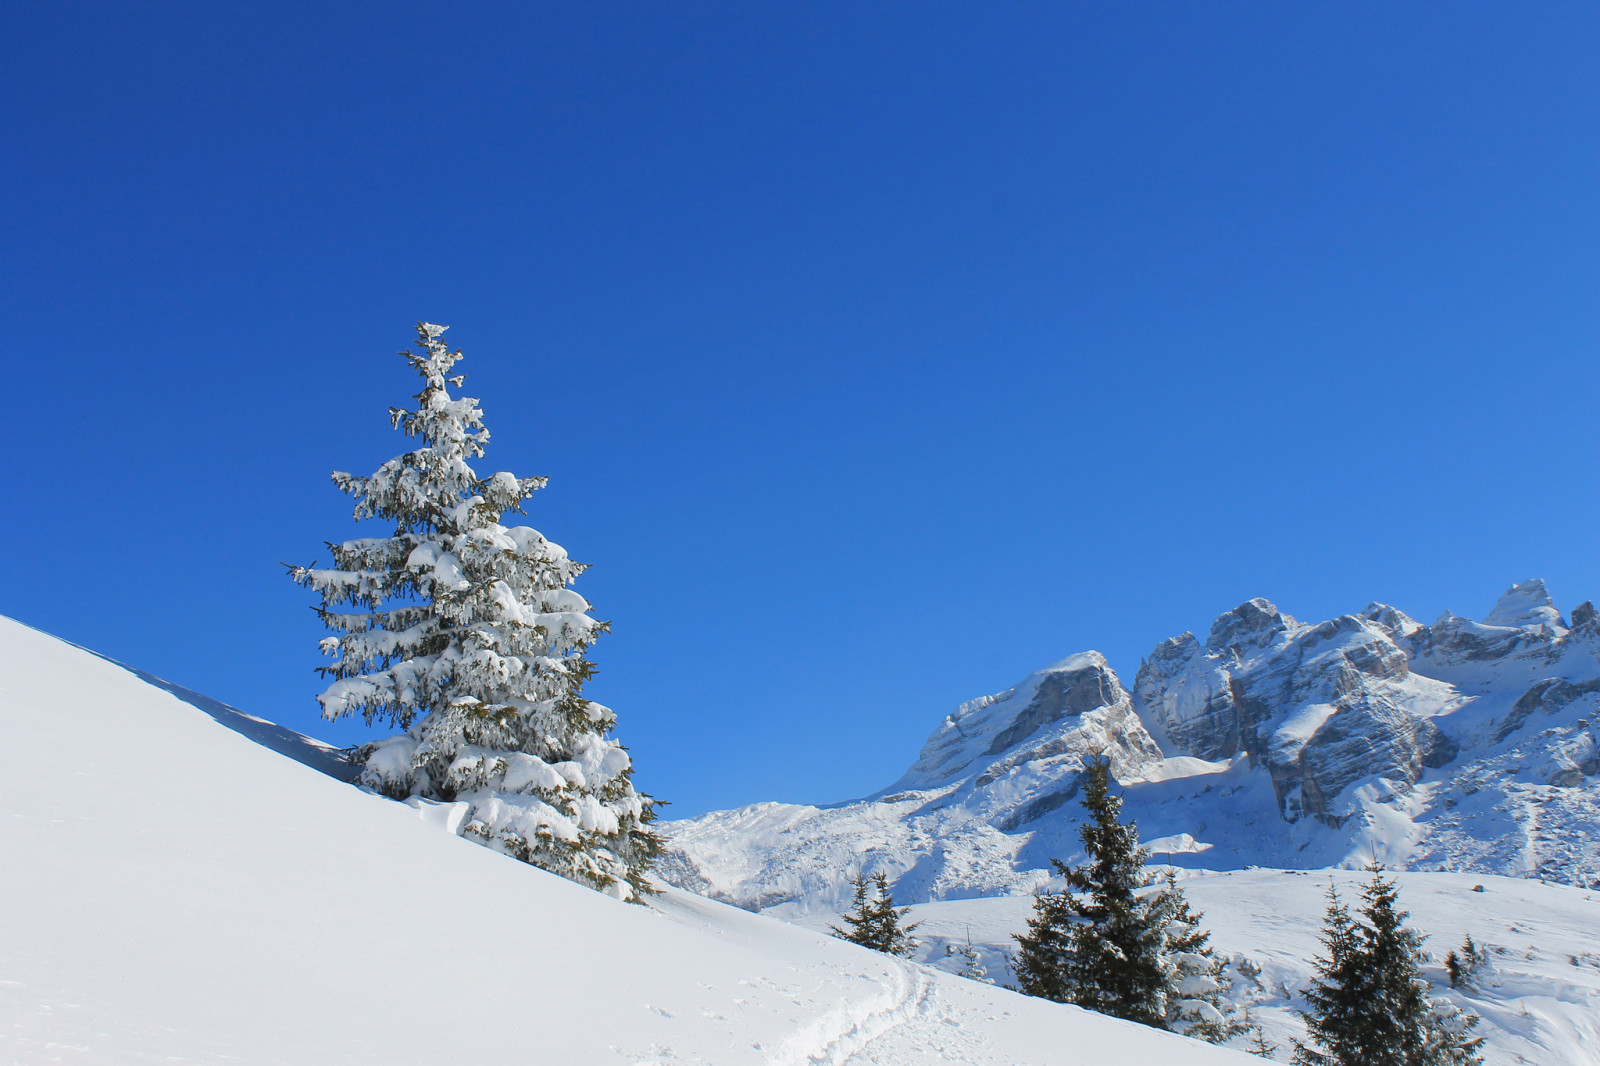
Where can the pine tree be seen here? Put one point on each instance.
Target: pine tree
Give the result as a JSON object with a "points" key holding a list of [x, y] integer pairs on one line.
{"points": [[1259, 1044], [1448, 1039], [873, 920], [1196, 979], [1369, 1003], [860, 921], [1337, 993], [1097, 943], [1466, 964], [894, 937], [464, 633]]}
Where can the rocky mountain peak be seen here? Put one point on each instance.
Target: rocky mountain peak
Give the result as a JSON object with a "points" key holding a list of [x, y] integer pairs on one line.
{"points": [[1254, 623], [1526, 604], [1026, 717]]}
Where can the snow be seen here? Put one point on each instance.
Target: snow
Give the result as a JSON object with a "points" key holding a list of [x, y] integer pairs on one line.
{"points": [[1540, 1001], [1526, 604], [175, 889], [1512, 801]]}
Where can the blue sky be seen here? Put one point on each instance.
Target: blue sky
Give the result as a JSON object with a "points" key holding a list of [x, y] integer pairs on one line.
{"points": [[878, 354]]}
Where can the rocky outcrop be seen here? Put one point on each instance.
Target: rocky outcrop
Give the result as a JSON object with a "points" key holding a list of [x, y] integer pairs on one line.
{"points": [[1360, 696], [991, 773], [1319, 706], [1069, 709]]}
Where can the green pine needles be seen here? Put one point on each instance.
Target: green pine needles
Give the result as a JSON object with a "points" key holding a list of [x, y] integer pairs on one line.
{"points": [[1368, 1004], [873, 920], [465, 634], [1104, 944]]}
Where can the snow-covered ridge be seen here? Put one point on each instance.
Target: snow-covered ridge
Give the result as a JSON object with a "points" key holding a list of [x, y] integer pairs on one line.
{"points": [[1460, 745], [174, 889]]}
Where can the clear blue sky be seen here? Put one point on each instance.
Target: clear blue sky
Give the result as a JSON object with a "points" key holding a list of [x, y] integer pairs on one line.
{"points": [[878, 354]]}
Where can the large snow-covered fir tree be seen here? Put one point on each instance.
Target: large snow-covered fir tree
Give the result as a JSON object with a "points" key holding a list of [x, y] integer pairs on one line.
{"points": [[464, 633]]}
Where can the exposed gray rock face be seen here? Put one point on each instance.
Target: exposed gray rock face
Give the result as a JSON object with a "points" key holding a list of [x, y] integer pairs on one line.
{"points": [[1320, 706], [1325, 706], [1071, 707]]}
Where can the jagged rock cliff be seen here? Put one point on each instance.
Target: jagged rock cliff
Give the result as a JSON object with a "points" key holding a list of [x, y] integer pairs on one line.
{"points": [[1319, 706], [1460, 745]]}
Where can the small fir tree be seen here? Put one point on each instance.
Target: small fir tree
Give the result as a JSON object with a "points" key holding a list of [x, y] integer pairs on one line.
{"points": [[873, 920], [1369, 1003], [1448, 1040], [1097, 943], [971, 967], [860, 921], [464, 633], [1466, 964], [1258, 1043], [1196, 979]]}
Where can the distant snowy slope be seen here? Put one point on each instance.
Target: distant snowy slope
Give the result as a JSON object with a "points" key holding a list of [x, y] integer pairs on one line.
{"points": [[173, 891], [1540, 998]]}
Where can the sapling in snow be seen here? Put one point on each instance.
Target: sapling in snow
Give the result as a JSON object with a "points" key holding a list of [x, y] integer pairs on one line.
{"points": [[971, 966], [873, 920], [1464, 965], [464, 633]]}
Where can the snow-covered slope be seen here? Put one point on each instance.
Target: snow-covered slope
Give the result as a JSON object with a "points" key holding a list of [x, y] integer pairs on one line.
{"points": [[174, 889], [1539, 1000], [1273, 743]]}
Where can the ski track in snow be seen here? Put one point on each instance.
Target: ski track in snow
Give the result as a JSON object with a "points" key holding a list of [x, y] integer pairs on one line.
{"points": [[833, 1039]]}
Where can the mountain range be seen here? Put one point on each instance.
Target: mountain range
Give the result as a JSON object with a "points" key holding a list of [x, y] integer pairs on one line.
{"points": [[1457, 746]]}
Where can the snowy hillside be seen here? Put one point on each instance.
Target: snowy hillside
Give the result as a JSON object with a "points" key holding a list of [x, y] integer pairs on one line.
{"points": [[1460, 746], [174, 889], [1540, 1000]]}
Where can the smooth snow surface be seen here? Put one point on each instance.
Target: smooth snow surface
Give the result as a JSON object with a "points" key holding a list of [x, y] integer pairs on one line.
{"points": [[172, 891]]}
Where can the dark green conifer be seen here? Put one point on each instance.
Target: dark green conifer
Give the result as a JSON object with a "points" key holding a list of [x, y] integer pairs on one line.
{"points": [[873, 920], [1338, 988], [1463, 965], [1097, 943], [1369, 1003]]}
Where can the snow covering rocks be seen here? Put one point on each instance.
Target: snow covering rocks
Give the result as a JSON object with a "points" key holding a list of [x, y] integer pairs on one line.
{"points": [[177, 892], [1460, 746], [1013, 723]]}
